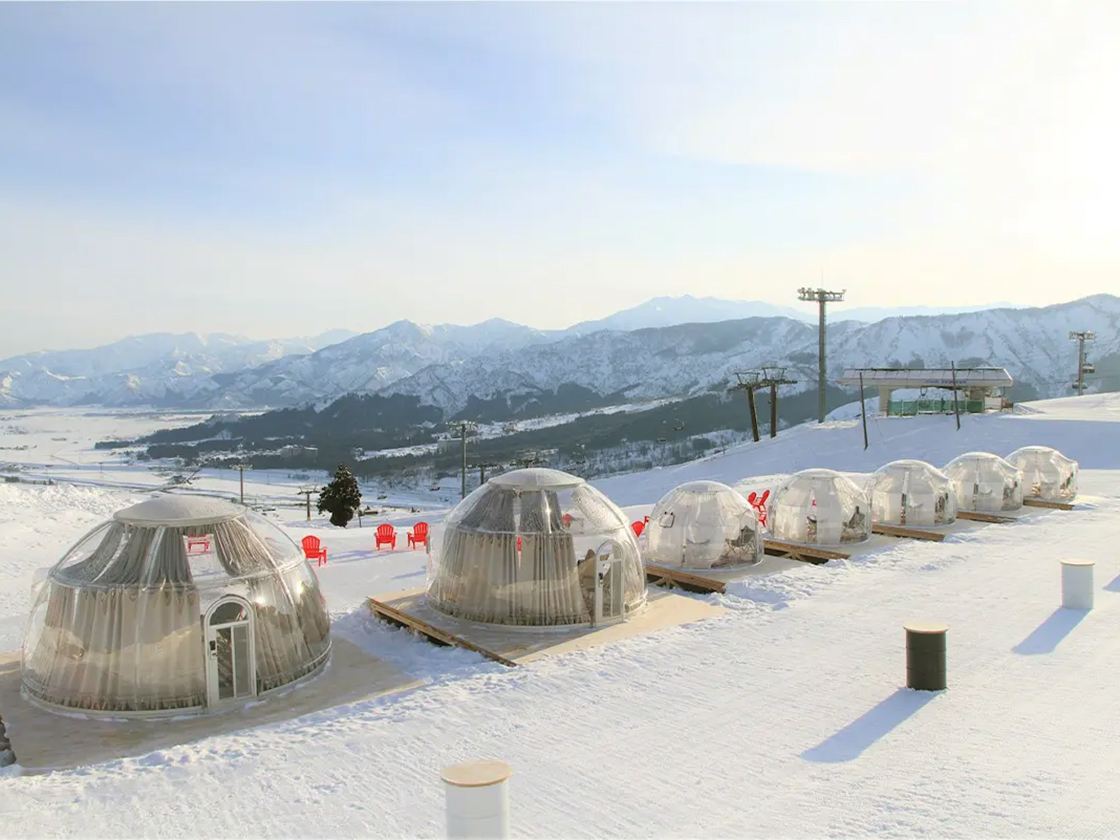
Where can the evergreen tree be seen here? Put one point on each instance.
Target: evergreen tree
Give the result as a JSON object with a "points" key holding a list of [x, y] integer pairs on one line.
{"points": [[341, 497]]}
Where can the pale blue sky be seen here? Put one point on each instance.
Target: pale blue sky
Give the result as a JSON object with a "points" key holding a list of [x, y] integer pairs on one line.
{"points": [[285, 169]]}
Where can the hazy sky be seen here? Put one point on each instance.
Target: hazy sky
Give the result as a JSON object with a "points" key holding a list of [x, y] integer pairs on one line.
{"points": [[279, 170]]}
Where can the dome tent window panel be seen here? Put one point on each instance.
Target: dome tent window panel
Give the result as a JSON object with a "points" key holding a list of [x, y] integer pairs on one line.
{"points": [[911, 493], [820, 507], [704, 525], [1048, 475], [522, 550], [120, 626], [985, 483]]}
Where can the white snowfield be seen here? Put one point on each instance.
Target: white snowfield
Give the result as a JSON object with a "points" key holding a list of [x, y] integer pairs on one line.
{"points": [[784, 716]]}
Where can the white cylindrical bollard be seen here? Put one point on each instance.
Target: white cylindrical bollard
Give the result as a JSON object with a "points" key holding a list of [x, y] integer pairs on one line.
{"points": [[1077, 584], [477, 799]]}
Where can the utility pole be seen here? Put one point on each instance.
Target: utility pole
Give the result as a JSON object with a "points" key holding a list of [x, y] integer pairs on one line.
{"points": [[751, 381], [241, 469], [821, 296], [465, 427], [1081, 337], [307, 491]]}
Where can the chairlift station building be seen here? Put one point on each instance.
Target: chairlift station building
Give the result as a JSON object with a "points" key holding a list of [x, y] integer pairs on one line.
{"points": [[981, 388]]}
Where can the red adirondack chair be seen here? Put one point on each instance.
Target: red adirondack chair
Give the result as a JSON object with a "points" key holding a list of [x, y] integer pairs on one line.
{"points": [[200, 540], [567, 520], [759, 504], [312, 550], [386, 535], [418, 535], [638, 528]]}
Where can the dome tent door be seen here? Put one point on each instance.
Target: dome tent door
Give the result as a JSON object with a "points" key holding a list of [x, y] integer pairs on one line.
{"points": [[610, 603], [231, 672]]}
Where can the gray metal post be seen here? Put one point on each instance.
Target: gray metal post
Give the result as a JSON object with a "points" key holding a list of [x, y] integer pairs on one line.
{"points": [[773, 409], [754, 414], [821, 367], [821, 296], [863, 409], [463, 435], [956, 404], [1081, 366]]}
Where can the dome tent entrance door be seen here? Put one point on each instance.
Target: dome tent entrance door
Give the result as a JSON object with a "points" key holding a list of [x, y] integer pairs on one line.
{"points": [[231, 672], [610, 605]]}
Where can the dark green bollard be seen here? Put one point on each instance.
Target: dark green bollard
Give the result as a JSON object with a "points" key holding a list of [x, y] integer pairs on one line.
{"points": [[925, 657]]}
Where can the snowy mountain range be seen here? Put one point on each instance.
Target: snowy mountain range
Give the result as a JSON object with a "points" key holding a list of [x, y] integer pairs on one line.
{"points": [[446, 365]]}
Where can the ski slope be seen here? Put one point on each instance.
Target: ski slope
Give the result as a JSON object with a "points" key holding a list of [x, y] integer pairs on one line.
{"points": [[782, 717]]}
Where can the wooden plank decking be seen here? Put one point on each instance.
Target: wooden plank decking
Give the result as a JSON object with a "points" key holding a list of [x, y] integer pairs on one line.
{"points": [[908, 533], [983, 517], [431, 632], [1042, 503], [661, 576], [806, 553]]}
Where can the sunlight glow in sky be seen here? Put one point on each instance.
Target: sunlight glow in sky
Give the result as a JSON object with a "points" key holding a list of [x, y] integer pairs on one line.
{"points": [[281, 170]]}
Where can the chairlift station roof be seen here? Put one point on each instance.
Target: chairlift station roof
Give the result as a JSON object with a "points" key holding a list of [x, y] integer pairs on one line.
{"points": [[928, 377]]}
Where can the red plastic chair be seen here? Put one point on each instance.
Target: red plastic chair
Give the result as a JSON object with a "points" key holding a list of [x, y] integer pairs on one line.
{"points": [[567, 520], [638, 528], [418, 535], [199, 540], [312, 550], [759, 504], [386, 535]]}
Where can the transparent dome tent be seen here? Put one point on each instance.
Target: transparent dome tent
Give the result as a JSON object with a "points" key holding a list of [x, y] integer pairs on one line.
{"points": [[1047, 473], [536, 548], [704, 525], [909, 493], [820, 507], [985, 483], [176, 605]]}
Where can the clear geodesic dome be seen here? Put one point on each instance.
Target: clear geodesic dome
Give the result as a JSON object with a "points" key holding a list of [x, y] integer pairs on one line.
{"points": [[985, 483], [176, 604], [911, 493], [531, 547], [820, 507], [703, 525], [1047, 473]]}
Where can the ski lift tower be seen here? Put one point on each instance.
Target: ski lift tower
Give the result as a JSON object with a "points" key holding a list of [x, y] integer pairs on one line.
{"points": [[465, 427], [306, 492], [1081, 336], [821, 296]]}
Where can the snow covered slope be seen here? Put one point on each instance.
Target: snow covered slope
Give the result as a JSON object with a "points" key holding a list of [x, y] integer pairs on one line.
{"points": [[783, 717]]}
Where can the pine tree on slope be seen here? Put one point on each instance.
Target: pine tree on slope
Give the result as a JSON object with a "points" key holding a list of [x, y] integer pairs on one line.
{"points": [[341, 497]]}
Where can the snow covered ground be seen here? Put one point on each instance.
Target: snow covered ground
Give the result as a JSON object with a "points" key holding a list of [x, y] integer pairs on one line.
{"points": [[784, 716]]}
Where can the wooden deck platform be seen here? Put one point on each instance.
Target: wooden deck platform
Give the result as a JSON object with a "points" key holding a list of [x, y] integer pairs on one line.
{"points": [[908, 533], [805, 553], [432, 633], [518, 645], [973, 516], [689, 582], [1042, 503], [44, 741]]}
